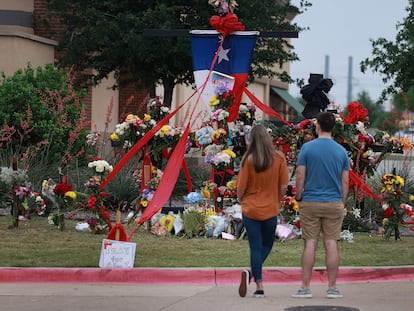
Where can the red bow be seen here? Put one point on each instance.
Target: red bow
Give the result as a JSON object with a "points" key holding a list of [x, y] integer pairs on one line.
{"points": [[226, 24], [357, 112]]}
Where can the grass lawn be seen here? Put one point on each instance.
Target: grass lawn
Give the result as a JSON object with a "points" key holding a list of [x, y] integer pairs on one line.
{"points": [[35, 243]]}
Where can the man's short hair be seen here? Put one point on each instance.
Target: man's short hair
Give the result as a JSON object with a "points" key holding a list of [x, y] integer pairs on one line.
{"points": [[326, 121]]}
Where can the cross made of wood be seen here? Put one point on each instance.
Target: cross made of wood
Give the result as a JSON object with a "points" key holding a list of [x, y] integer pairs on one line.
{"points": [[186, 33]]}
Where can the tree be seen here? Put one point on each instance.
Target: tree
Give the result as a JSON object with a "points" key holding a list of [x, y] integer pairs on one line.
{"points": [[378, 117], [393, 59], [107, 36]]}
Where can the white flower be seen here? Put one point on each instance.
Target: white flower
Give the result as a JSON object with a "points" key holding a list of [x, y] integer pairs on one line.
{"points": [[100, 166], [357, 213], [223, 115], [243, 108], [361, 128], [385, 206]]}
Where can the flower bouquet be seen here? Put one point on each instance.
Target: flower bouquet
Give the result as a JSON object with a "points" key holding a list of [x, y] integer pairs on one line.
{"points": [[132, 129], [394, 210], [62, 197], [95, 201]]}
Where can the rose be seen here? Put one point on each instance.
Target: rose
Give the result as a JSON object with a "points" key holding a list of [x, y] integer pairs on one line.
{"points": [[61, 189], [389, 212]]}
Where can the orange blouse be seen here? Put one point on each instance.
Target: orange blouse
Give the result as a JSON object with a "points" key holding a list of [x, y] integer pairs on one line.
{"points": [[260, 192]]}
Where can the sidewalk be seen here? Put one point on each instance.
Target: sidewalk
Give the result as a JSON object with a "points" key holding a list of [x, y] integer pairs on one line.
{"points": [[367, 289]]}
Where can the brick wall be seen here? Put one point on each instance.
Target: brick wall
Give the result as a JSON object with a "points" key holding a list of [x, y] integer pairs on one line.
{"points": [[125, 91]]}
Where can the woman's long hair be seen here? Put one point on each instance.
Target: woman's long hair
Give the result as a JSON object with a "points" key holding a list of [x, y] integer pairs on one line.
{"points": [[260, 150]]}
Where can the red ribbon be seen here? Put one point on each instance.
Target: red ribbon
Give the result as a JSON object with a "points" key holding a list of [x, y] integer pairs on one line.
{"points": [[226, 24], [122, 233], [356, 180], [266, 109]]}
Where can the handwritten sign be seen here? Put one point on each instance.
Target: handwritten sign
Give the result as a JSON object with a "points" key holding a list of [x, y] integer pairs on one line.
{"points": [[117, 254]]}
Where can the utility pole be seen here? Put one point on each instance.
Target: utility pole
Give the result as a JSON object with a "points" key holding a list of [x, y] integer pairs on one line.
{"points": [[326, 66], [349, 93]]}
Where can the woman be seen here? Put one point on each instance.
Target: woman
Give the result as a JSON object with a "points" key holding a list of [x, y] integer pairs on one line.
{"points": [[261, 185]]}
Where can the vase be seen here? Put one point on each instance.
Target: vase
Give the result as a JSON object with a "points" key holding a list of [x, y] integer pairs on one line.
{"points": [[61, 221], [397, 232], [15, 215], [116, 143], [15, 163]]}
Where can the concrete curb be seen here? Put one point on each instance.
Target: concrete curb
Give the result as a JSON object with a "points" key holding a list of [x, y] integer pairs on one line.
{"points": [[197, 276]]}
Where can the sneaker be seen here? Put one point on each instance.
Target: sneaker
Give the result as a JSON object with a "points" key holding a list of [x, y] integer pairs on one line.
{"points": [[244, 282], [333, 293], [259, 293], [303, 293]]}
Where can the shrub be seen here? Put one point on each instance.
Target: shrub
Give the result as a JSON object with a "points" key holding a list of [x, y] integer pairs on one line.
{"points": [[42, 115]]}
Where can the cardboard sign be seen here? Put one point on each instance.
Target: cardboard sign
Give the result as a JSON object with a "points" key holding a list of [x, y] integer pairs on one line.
{"points": [[117, 254]]}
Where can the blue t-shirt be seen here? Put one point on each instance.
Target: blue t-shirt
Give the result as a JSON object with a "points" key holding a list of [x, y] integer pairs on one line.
{"points": [[324, 160]]}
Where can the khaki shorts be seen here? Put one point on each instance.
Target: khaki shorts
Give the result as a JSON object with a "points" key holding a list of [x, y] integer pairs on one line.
{"points": [[317, 217]]}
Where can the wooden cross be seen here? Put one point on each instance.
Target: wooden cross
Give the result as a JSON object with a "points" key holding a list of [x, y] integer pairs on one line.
{"points": [[186, 33]]}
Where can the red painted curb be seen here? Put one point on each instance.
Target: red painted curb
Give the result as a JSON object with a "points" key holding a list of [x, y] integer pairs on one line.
{"points": [[202, 276]]}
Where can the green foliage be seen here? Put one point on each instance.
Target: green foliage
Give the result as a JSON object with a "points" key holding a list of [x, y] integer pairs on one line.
{"points": [[393, 59], [378, 117], [41, 114], [405, 101], [107, 36]]}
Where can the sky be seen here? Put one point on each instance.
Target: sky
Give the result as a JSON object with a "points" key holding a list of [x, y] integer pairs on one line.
{"points": [[341, 29]]}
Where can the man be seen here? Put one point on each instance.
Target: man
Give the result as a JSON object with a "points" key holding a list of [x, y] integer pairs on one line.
{"points": [[321, 189]]}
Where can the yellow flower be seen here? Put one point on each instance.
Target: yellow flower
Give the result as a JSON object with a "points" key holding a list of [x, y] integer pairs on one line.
{"points": [[385, 221], [295, 206], [71, 195], [164, 131], [230, 153], [144, 203], [214, 101], [399, 181], [411, 197], [210, 212], [206, 192], [131, 117], [147, 117], [232, 185], [114, 136]]}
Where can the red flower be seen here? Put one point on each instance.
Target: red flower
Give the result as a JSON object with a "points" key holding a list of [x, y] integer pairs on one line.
{"points": [[91, 202], [297, 224], [389, 212], [61, 189]]}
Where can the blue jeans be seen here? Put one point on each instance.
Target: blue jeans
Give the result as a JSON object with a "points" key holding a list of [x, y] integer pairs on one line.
{"points": [[261, 235]]}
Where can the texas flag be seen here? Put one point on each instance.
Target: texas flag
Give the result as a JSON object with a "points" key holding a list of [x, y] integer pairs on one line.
{"points": [[234, 59]]}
